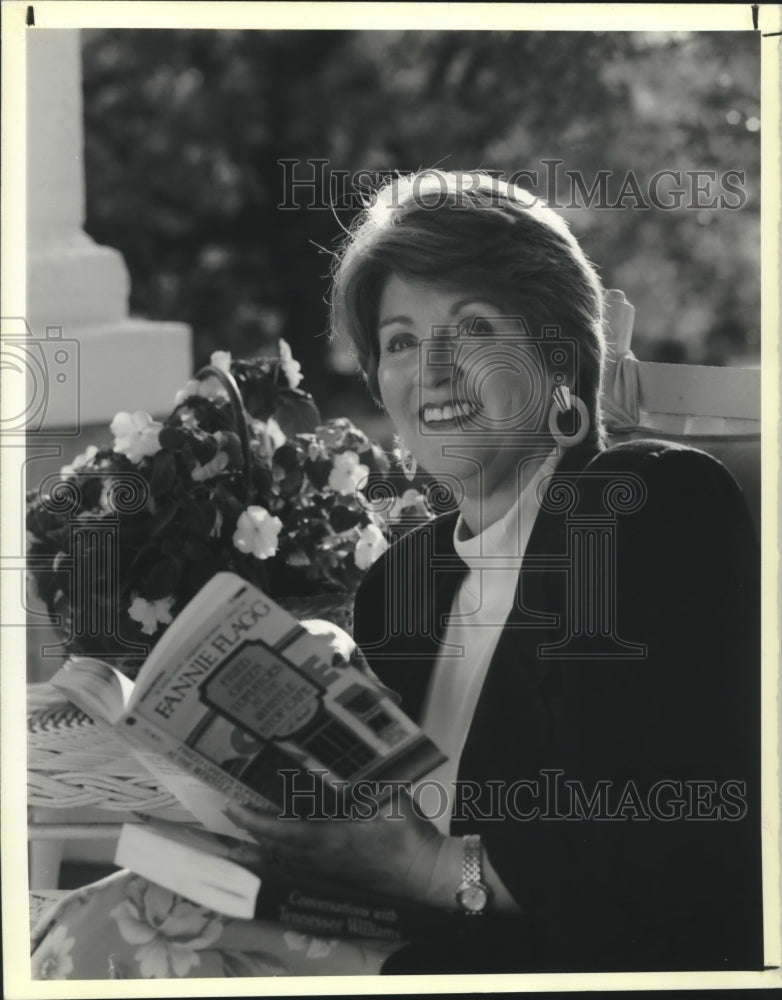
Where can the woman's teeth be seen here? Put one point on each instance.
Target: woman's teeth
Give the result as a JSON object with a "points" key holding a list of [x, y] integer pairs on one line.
{"points": [[452, 411]]}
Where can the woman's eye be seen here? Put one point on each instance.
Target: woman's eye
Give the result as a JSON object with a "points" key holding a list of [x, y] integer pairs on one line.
{"points": [[476, 326], [400, 342]]}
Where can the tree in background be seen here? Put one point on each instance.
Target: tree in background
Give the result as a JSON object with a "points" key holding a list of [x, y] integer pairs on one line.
{"points": [[185, 131]]}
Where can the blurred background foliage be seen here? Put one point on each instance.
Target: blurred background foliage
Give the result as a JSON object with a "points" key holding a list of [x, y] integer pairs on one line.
{"points": [[184, 132]]}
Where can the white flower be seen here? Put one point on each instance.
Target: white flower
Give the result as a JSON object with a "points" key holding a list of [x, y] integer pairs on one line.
{"points": [[51, 960], [80, 461], [151, 613], [257, 532], [268, 436], [289, 365], [212, 468], [371, 543], [168, 929], [136, 435], [221, 360], [347, 473]]}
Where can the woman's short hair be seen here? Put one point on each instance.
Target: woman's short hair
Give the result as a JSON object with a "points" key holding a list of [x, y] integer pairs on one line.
{"points": [[471, 231]]}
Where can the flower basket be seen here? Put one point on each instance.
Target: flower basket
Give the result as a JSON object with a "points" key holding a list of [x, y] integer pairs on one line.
{"points": [[242, 475]]}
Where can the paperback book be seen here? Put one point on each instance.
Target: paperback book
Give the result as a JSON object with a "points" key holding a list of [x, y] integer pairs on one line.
{"points": [[236, 695]]}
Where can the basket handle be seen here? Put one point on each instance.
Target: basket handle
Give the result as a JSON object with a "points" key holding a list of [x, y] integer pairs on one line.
{"points": [[228, 382]]}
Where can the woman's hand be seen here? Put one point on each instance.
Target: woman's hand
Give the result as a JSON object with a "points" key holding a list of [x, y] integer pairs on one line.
{"points": [[396, 853], [393, 853], [339, 647]]}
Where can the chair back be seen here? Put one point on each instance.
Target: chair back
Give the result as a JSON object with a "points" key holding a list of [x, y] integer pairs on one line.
{"points": [[714, 409]]}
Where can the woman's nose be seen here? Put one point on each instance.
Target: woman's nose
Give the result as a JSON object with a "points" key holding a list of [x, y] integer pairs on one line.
{"points": [[437, 358]]}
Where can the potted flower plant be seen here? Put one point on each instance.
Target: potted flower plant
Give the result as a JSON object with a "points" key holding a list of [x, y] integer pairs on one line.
{"points": [[242, 475]]}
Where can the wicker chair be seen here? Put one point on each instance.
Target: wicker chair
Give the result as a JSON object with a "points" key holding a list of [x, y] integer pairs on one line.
{"points": [[74, 763], [83, 783]]}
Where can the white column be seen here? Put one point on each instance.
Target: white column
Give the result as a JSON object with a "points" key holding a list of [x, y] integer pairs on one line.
{"points": [[73, 283], [77, 294]]}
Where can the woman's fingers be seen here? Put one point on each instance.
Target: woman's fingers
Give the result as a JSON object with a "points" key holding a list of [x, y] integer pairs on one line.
{"points": [[248, 855], [262, 824], [390, 856], [294, 842], [339, 647], [337, 644], [265, 860]]}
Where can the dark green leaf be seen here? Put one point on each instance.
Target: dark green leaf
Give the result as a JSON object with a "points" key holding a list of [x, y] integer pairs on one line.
{"points": [[196, 549], [296, 412], [163, 473], [162, 517], [162, 580], [199, 516], [342, 518]]}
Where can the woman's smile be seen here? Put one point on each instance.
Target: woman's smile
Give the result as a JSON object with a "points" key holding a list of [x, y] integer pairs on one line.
{"points": [[451, 414]]}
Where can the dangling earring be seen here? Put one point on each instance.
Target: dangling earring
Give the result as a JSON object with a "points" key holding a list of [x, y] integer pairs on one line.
{"points": [[407, 460], [563, 400]]}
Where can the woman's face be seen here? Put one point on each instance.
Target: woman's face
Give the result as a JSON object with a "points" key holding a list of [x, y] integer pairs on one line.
{"points": [[462, 382]]}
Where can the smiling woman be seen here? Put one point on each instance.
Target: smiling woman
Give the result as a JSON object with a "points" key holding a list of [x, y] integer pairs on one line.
{"points": [[579, 619]]}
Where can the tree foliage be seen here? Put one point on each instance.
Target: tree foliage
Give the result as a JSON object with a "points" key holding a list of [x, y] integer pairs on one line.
{"points": [[185, 131]]}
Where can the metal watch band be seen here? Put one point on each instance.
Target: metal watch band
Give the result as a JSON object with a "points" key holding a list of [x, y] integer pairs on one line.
{"points": [[471, 860], [472, 895]]}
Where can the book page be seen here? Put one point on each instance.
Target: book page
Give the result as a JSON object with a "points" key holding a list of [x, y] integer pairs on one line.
{"points": [[96, 687]]}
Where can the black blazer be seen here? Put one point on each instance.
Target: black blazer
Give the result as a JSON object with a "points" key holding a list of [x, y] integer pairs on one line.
{"points": [[656, 681]]}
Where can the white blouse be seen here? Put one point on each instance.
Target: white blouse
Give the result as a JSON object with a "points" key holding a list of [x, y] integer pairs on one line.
{"points": [[478, 613]]}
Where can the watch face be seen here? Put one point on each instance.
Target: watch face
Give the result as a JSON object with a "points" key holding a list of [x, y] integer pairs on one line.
{"points": [[473, 898]]}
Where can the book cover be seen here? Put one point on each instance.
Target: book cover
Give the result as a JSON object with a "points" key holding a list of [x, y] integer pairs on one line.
{"points": [[237, 693]]}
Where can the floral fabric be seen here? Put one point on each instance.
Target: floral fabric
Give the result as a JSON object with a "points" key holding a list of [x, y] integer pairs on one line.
{"points": [[125, 927]]}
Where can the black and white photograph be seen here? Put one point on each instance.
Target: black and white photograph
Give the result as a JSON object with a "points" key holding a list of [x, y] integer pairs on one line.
{"points": [[389, 437]]}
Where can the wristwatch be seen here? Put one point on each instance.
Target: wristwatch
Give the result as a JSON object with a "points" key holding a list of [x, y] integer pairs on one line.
{"points": [[473, 893]]}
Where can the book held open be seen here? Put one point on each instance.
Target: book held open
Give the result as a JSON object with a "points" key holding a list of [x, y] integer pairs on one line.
{"points": [[238, 691]]}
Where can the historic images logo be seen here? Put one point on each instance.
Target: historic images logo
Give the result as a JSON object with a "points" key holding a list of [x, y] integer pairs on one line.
{"points": [[311, 184], [549, 796]]}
